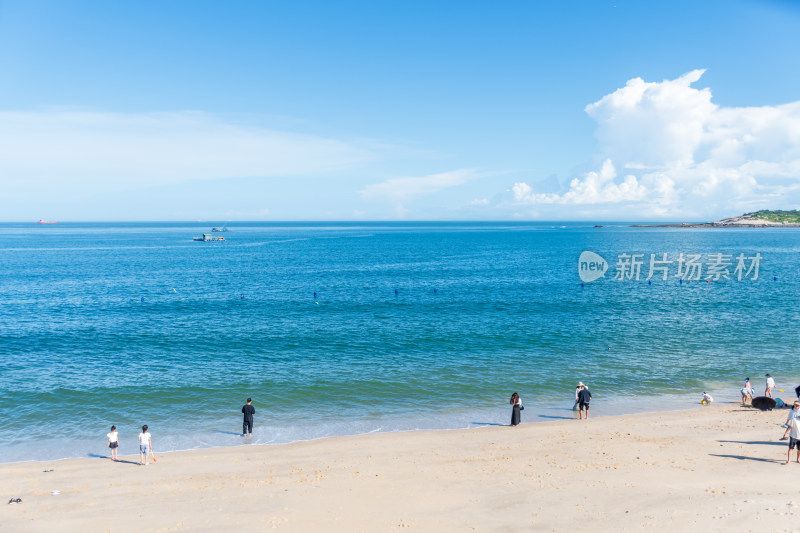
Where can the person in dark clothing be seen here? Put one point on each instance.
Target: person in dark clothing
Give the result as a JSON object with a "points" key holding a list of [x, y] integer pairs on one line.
{"points": [[516, 407], [583, 401], [247, 424]]}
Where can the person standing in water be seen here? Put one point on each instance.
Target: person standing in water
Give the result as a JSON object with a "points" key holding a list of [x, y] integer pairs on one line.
{"points": [[247, 423], [516, 407], [584, 396]]}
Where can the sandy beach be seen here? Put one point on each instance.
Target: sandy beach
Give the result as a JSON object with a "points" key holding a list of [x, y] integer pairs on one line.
{"points": [[712, 468]]}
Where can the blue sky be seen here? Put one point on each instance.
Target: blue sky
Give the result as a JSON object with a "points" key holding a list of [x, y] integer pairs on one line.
{"points": [[398, 110]]}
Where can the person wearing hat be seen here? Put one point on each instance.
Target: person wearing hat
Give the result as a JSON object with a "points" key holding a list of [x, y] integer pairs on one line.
{"points": [[583, 397], [577, 390], [747, 391], [793, 414], [770, 386]]}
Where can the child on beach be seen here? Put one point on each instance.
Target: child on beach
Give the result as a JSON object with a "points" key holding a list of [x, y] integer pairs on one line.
{"points": [[113, 443], [747, 391], [145, 445], [770, 386], [707, 399]]}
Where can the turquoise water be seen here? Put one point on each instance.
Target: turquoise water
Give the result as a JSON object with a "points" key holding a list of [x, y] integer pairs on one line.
{"points": [[424, 325]]}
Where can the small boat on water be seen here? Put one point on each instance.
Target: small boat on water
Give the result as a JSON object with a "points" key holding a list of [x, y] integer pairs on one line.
{"points": [[223, 228], [207, 237], [47, 221]]}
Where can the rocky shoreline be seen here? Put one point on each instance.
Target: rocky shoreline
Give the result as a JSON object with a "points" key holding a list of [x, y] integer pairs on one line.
{"points": [[716, 225], [732, 222]]}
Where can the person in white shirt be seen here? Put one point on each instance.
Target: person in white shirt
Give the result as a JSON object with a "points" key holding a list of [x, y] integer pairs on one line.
{"points": [[113, 443], [794, 413], [794, 439], [145, 445], [707, 399], [770, 386]]}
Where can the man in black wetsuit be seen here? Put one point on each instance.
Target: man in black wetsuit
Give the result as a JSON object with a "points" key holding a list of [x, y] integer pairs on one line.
{"points": [[583, 401], [247, 424]]}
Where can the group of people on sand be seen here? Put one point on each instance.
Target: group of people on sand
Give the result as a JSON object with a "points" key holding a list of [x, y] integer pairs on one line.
{"points": [[792, 424], [145, 445], [582, 399], [748, 393]]}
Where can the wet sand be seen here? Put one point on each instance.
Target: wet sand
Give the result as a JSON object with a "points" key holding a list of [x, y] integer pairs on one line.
{"points": [[712, 468]]}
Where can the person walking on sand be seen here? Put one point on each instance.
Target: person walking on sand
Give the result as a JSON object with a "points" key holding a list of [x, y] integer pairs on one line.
{"points": [[584, 396], [793, 414], [247, 423], [145, 445], [770, 386], [113, 443], [516, 407], [794, 440]]}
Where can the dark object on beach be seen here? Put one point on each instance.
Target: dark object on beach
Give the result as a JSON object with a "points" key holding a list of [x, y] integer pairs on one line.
{"points": [[764, 403], [12, 501]]}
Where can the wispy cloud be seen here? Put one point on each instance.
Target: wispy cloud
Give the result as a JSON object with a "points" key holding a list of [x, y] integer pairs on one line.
{"points": [[403, 189], [89, 148], [400, 192]]}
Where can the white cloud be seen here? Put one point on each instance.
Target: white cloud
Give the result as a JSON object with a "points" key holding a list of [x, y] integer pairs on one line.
{"points": [[653, 124], [88, 148], [683, 154], [594, 188]]}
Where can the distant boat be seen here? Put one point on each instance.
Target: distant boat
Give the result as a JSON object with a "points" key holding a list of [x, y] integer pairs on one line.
{"points": [[206, 237], [47, 222], [223, 228]]}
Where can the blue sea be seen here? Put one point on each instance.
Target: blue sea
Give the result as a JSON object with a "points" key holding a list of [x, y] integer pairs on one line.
{"points": [[339, 328]]}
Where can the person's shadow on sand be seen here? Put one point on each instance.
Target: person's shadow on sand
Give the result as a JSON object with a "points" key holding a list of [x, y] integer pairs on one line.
{"points": [[773, 443], [745, 458], [98, 456]]}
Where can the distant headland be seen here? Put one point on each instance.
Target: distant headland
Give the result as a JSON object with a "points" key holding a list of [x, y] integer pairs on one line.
{"points": [[758, 219]]}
